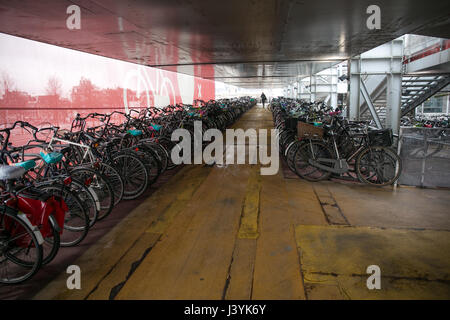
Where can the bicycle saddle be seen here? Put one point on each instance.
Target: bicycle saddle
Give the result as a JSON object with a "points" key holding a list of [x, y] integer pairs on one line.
{"points": [[11, 172], [135, 132], [27, 165], [156, 127], [53, 157]]}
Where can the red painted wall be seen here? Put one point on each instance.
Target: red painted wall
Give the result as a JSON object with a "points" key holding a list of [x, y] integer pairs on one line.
{"points": [[42, 84]]}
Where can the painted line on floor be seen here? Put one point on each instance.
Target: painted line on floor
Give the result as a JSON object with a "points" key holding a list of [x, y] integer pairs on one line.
{"points": [[249, 220]]}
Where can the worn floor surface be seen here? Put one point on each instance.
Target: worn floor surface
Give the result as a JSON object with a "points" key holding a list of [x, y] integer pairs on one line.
{"points": [[227, 232]]}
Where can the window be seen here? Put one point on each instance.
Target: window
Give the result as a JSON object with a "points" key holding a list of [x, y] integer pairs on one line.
{"points": [[435, 104]]}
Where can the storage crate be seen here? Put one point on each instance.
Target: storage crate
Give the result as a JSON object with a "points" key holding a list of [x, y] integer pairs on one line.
{"points": [[382, 138], [309, 131]]}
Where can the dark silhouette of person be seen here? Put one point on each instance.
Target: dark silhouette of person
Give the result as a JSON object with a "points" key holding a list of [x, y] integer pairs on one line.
{"points": [[263, 98]]}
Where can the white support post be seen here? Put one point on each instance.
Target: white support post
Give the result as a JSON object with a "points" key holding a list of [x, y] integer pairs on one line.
{"points": [[394, 87], [448, 102], [312, 88], [354, 90], [393, 101], [333, 89]]}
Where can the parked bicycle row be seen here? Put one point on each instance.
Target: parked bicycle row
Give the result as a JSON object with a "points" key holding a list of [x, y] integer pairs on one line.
{"points": [[425, 121], [317, 142], [61, 182]]}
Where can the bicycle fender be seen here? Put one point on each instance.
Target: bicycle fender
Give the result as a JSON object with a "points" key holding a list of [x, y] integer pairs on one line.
{"points": [[96, 199], [54, 223], [35, 229]]}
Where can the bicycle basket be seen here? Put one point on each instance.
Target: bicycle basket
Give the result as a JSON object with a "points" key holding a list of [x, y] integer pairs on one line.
{"points": [[381, 138], [309, 131]]}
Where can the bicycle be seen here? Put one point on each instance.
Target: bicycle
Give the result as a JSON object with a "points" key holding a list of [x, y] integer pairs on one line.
{"points": [[374, 162], [20, 241]]}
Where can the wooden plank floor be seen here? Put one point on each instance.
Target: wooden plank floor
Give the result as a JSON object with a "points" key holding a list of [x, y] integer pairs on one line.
{"points": [[226, 232]]}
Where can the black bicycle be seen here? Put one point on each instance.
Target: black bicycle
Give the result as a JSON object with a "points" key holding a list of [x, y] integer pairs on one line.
{"points": [[342, 151]]}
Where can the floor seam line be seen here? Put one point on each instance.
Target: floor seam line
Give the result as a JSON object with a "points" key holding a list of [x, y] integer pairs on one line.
{"points": [[133, 268]]}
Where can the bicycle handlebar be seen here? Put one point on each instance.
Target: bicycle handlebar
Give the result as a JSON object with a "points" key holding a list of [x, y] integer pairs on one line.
{"points": [[23, 124]]}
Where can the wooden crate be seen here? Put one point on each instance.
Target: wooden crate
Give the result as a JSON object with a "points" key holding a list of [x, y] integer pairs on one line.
{"points": [[309, 131]]}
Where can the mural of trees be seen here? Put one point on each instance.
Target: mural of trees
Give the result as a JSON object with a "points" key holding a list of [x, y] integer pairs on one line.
{"points": [[7, 83], [84, 95], [10, 95], [53, 91]]}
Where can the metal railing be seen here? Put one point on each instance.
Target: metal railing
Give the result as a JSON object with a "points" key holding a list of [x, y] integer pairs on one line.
{"points": [[425, 154]]}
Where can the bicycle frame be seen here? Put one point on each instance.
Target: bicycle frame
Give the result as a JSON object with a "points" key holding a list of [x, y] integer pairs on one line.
{"points": [[340, 165], [87, 149]]}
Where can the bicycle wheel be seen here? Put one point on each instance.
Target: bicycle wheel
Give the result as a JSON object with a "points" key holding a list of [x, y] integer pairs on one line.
{"points": [[73, 155], [134, 174], [49, 229], [99, 184], [20, 248], [379, 166], [312, 150], [160, 153], [76, 221], [151, 163], [51, 246], [290, 154], [168, 145], [114, 179], [88, 198]]}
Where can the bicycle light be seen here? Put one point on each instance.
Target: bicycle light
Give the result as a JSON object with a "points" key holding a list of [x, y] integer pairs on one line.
{"points": [[68, 181], [88, 181]]}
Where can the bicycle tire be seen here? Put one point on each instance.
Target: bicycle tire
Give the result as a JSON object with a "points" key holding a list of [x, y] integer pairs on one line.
{"points": [[134, 174], [7, 215], [365, 175], [76, 210], [55, 244], [306, 151], [100, 185], [150, 161], [89, 199], [115, 180]]}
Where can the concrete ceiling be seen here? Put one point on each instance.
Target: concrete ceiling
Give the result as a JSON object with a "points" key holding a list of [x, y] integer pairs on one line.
{"points": [[249, 43]]}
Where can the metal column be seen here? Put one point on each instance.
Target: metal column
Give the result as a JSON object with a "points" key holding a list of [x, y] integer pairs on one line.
{"points": [[383, 60], [372, 110], [394, 101], [312, 88], [354, 90]]}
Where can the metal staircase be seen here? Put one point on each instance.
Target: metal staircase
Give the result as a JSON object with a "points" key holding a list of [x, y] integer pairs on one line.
{"points": [[416, 89], [392, 80]]}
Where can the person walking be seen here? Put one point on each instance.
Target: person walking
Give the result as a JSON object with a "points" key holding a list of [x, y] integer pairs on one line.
{"points": [[263, 98]]}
